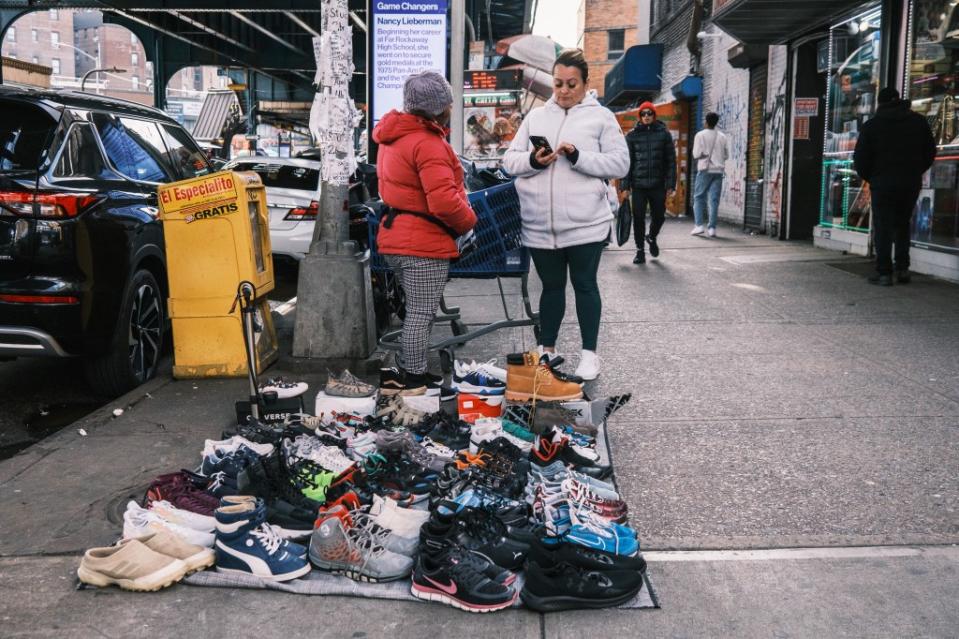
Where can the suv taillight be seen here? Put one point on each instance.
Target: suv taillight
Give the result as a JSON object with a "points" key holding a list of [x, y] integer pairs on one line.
{"points": [[49, 205], [301, 213]]}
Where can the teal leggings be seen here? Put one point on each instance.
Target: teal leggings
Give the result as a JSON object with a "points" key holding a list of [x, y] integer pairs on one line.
{"points": [[582, 263]]}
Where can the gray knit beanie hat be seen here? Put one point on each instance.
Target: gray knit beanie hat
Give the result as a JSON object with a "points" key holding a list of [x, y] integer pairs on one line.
{"points": [[428, 92]]}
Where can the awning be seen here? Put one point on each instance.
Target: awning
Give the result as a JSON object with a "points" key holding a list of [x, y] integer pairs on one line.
{"points": [[636, 74], [218, 107], [777, 21]]}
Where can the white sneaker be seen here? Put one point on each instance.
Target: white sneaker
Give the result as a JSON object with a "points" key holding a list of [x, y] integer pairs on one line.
{"points": [[697, 230], [549, 356], [283, 388], [484, 430], [402, 521], [711, 232], [491, 369], [138, 522], [329, 457], [588, 367], [231, 444], [175, 515]]}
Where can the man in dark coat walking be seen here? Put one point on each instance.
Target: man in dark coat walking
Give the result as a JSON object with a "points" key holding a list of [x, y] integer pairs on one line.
{"points": [[652, 176], [893, 151]]}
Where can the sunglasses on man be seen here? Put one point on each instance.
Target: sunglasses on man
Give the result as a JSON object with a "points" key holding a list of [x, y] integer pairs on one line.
{"points": [[647, 114]]}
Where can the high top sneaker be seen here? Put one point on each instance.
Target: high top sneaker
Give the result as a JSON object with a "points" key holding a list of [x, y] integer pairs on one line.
{"points": [[527, 378], [341, 545], [548, 450], [244, 545]]}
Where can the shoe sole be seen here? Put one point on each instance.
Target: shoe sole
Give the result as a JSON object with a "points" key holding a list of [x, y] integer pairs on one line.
{"points": [[430, 594], [355, 575], [163, 578], [517, 396], [482, 391], [287, 576], [201, 560], [405, 392], [553, 604]]}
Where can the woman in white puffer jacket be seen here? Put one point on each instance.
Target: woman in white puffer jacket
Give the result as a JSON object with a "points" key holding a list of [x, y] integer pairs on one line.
{"points": [[563, 197]]}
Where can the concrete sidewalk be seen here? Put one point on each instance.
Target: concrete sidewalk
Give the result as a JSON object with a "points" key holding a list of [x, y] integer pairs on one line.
{"points": [[779, 403]]}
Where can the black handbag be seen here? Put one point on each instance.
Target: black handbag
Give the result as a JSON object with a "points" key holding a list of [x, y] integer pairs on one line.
{"points": [[624, 221]]}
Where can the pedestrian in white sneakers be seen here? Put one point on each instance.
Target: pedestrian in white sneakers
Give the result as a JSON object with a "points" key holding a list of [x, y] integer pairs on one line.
{"points": [[710, 150], [561, 156]]}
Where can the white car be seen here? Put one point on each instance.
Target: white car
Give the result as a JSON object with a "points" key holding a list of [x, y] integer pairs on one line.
{"points": [[292, 197]]}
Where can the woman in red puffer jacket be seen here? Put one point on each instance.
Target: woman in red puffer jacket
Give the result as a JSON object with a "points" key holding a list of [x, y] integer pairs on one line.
{"points": [[421, 180]]}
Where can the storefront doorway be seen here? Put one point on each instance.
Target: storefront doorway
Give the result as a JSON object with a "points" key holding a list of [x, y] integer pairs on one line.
{"points": [[806, 143]]}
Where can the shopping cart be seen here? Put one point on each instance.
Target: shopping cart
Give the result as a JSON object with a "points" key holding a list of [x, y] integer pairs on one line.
{"points": [[497, 253]]}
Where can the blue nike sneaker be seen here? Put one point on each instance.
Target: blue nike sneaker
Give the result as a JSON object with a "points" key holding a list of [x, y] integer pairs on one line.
{"points": [[478, 383]]}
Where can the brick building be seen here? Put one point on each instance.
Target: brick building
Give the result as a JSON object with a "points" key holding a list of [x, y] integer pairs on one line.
{"points": [[607, 29], [44, 38]]}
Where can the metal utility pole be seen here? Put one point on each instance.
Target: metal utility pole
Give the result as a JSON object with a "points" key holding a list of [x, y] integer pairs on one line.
{"points": [[334, 316], [457, 62]]}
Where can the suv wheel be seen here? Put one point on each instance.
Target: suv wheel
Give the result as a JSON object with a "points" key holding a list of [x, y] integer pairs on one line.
{"points": [[136, 349]]}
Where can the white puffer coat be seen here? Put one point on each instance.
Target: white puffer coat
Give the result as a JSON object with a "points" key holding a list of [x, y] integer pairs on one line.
{"points": [[565, 204]]}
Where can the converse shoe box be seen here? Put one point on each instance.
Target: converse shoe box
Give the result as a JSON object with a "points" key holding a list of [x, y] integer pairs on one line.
{"points": [[272, 411], [326, 405]]}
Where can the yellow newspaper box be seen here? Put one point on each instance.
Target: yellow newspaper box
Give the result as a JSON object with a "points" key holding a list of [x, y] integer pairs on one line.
{"points": [[216, 230]]}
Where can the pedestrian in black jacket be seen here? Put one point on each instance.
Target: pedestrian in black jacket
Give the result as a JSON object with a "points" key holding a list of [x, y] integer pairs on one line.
{"points": [[893, 151], [652, 176]]}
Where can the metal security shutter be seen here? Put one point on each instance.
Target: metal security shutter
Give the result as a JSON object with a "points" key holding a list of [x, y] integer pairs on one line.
{"points": [[753, 214]]}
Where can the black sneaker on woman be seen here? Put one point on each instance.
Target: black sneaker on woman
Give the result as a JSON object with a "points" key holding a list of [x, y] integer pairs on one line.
{"points": [[396, 381]]}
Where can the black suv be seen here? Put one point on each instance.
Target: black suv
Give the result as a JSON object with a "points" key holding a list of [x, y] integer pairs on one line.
{"points": [[82, 266]]}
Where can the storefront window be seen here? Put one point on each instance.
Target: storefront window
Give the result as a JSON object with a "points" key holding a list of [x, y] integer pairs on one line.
{"points": [[854, 54], [932, 85]]}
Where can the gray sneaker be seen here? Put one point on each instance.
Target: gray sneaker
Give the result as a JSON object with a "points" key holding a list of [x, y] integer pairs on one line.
{"points": [[347, 385], [346, 546]]}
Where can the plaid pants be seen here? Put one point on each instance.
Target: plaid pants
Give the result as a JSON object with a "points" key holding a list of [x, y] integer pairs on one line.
{"points": [[422, 279]]}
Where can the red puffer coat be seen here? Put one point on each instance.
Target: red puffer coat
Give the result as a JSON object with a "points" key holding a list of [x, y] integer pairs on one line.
{"points": [[418, 171]]}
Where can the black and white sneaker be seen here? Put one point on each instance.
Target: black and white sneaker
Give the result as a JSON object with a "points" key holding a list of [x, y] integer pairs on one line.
{"points": [[395, 381], [283, 388]]}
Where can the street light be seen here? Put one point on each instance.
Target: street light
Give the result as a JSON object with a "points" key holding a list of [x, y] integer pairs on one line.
{"points": [[86, 75]]}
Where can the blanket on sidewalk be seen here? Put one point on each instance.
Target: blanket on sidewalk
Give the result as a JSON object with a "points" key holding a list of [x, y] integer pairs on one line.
{"points": [[321, 583]]}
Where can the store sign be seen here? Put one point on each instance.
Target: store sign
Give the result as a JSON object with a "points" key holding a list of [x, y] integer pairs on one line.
{"points": [[493, 80], [407, 37], [800, 128], [806, 107]]}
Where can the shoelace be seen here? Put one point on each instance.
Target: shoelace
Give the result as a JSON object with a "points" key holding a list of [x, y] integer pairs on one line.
{"points": [[268, 538]]}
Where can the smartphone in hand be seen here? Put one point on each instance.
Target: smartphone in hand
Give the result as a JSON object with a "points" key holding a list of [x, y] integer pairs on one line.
{"points": [[539, 142]]}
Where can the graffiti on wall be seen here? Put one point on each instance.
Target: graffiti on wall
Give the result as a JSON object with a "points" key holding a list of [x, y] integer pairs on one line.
{"points": [[733, 114], [775, 144]]}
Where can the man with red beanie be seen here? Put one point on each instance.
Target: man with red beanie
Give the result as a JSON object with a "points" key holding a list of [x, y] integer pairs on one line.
{"points": [[652, 175], [421, 180]]}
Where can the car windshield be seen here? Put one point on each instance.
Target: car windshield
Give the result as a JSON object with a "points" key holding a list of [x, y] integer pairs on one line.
{"points": [[25, 132], [283, 176]]}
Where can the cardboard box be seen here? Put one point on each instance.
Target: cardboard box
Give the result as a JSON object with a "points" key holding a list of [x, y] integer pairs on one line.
{"points": [[472, 407], [326, 405]]}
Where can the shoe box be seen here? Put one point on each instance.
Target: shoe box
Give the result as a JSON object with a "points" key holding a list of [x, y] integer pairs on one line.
{"points": [[272, 409], [472, 407], [326, 405]]}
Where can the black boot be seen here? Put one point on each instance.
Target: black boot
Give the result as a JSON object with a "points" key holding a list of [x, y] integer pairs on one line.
{"points": [[880, 280], [653, 246], [640, 258]]}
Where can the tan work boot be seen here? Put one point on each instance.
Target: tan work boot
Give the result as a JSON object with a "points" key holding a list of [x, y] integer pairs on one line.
{"points": [[131, 566], [527, 379], [169, 544]]}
